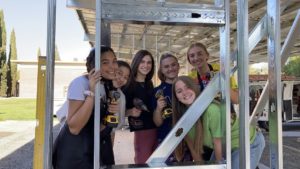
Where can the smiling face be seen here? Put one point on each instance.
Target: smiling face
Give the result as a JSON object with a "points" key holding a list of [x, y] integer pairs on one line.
{"points": [[198, 57], [145, 66], [184, 94], [108, 65], [122, 77], [169, 68]]}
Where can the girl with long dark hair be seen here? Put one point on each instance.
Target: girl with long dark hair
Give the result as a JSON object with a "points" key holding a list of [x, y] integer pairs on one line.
{"points": [[138, 104], [74, 146]]}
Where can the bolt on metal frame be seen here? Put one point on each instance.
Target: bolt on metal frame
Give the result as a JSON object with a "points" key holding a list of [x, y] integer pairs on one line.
{"points": [[215, 16]]}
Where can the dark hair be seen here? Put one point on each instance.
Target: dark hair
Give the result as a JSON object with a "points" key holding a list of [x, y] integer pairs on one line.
{"points": [[138, 57], [90, 60], [197, 44], [122, 63], [164, 56]]}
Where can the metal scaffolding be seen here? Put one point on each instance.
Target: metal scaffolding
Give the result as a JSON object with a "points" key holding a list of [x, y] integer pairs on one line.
{"points": [[218, 15]]}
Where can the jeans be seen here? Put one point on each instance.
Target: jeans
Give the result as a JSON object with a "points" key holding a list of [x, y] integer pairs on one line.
{"points": [[256, 150]]}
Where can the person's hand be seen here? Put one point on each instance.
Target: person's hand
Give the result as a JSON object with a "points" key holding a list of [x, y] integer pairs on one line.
{"points": [[161, 103], [134, 112], [114, 107], [94, 77]]}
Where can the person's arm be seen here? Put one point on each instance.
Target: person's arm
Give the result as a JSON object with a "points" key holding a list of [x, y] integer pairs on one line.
{"points": [[218, 148], [157, 115], [214, 116], [81, 110], [79, 114], [234, 96], [234, 91]]}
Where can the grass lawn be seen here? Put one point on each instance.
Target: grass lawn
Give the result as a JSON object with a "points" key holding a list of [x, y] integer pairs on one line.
{"points": [[17, 109]]}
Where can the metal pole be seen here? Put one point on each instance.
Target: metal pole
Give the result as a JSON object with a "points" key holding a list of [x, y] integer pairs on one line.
{"points": [[284, 54], [275, 97], [157, 60], [119, 45], [144, 41], [225, 79], [243, 81], [51, 23], [97, 89], [133, 40]]}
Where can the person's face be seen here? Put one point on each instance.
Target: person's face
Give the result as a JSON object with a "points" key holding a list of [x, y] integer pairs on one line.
{"points": [[184, 94], [197, 57], [122, 77], [108, 65], [170, 68], [145, 66]]}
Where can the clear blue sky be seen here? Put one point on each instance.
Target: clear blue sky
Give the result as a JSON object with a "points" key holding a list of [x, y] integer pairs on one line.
{"points": [[29, 20]]}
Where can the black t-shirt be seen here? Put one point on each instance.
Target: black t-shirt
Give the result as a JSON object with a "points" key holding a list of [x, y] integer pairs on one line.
{"points": [[143, 92]]}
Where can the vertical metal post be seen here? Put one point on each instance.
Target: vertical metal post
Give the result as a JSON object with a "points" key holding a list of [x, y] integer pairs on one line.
{"points": [[144, 41], [97, 89], [243, 81], [49, 83], [119, 40], [133, 43], [157, 60], [225, 78], [275, 124], [169, 43], [284, 54]]}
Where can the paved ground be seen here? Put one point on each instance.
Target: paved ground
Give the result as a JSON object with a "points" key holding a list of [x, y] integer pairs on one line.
{"points": [[16, 146]]}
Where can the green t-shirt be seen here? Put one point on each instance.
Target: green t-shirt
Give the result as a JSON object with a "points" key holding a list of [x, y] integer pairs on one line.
{"points": [[235, 134], [211, 125], [211, 121]]}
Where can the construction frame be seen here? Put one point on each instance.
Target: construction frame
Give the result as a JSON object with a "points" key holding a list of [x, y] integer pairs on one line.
{"points": [[217, 15]]}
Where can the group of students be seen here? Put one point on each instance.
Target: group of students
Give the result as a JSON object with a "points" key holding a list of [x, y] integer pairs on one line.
{"points": [[151, 111]]}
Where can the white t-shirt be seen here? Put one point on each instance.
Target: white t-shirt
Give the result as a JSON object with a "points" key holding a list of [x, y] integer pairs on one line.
{"points": [[78, 86], [121, 114], [76, 92]]}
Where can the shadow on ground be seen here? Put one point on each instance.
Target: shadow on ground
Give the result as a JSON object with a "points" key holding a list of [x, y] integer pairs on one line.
{"points": [[22, 158]]}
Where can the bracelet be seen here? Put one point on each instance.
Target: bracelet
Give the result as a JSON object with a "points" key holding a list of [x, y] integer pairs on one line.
{"points": [[88, 93]]}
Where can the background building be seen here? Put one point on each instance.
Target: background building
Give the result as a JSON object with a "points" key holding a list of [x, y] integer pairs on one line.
{"points": [[65, 72]]}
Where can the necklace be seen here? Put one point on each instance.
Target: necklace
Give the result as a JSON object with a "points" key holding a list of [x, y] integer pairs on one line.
{"points": [[142, 84]]}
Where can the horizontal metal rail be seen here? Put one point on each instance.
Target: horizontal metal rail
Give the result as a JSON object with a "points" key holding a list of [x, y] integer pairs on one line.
{"points": [[151, 12], [184, 165]]}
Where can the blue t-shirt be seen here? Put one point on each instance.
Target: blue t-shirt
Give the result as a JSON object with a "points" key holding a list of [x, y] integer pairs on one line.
{"points": [[166, 127]]}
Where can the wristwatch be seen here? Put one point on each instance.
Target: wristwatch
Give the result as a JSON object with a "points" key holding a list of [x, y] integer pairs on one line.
{"points": [[88, 93]]}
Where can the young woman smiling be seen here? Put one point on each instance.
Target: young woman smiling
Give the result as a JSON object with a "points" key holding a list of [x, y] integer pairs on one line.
{"points": [[140, 120]]}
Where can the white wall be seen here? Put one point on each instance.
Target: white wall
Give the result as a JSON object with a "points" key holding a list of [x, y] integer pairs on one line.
{"points": [[63, 76]]}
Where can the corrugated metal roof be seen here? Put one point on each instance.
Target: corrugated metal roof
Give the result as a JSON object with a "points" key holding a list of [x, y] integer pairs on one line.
{"points": [[127, 38]]}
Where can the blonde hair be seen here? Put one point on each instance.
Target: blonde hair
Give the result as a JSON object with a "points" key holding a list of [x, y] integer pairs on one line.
{"points": [[195, 145], [164, 56], [196, 44]]}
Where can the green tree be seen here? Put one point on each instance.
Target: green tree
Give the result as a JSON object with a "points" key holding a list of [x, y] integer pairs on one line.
{"points": [[57, 57], [12, 71], [292, 67], [3, 85], [2, 45]]}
